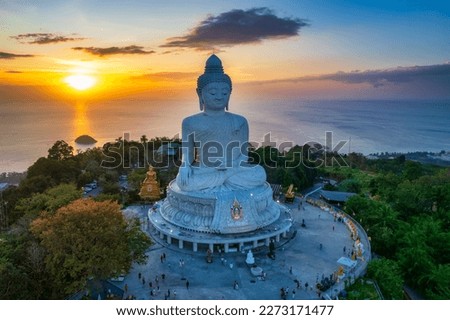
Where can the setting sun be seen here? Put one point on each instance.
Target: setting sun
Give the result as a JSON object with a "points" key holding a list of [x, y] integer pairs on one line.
{"points": [[80, 81]]}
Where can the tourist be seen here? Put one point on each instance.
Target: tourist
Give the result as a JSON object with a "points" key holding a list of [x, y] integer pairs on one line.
{"points": [[293, 294], [282, 294], [187, 284], [174, 294]]}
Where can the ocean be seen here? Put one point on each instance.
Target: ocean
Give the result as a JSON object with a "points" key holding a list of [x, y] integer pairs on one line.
{"points": [[29, 129]]}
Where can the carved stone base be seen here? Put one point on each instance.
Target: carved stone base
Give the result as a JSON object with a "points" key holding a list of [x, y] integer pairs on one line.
{"points": [[222, 212]]}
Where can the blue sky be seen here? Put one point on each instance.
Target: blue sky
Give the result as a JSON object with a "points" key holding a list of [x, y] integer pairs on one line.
{"points": [[311, 40]]}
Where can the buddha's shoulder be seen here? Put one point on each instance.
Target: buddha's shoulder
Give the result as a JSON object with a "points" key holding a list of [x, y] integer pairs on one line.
{"points": [[201, 118], [236, 117], [193, 119]]}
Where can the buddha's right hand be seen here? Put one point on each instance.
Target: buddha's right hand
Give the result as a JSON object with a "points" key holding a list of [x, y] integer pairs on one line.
{"points": [[185, 173]]}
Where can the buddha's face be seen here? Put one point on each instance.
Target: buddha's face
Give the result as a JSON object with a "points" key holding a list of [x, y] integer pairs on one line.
{"points": [[215, 95]]}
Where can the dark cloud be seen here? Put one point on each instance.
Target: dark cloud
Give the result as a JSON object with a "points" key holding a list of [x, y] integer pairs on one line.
{"points": [[238, 27], [43, 38], [13, 71], [379, 78], [114, 50], [6, 55]]}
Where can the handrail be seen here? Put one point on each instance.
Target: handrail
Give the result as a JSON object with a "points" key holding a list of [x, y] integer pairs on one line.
{"points": [[361, 267]]}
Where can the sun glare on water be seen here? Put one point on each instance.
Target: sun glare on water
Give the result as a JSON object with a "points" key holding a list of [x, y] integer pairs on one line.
{"points": [[80, 81]]}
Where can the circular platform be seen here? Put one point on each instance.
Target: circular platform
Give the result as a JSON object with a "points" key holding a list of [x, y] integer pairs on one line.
{"points": [[220, 212], [227, 242]]}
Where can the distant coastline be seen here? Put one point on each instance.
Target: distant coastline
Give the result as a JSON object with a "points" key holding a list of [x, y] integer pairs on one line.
{"points": [[441, 159], [402, 127]]}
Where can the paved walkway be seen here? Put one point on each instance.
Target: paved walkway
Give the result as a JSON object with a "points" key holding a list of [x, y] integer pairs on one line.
{"points": [[299, 257]]}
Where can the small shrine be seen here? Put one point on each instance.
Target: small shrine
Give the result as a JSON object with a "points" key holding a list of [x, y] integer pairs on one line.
{"points": [[150, 186]]}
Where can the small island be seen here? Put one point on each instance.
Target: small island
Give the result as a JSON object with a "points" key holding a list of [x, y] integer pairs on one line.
{"points": [[85, 139]]}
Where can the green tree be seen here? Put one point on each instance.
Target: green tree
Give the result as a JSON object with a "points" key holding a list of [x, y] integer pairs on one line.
{"points": [[425, 245], [350, 185], [54, 171], [60, 151], [89, 162], [87, 239], [14, 282], [143, 139], [34, 184], [138, 241], [388, 275], [49, 201], [437, 282], [135, 178], [412, 170]]}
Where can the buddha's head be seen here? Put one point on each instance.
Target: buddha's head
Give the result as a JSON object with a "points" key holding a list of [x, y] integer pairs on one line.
{"points": [[214, 86]]}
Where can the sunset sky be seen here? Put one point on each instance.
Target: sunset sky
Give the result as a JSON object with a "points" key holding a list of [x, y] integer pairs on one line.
{"points": [[156, 49]]}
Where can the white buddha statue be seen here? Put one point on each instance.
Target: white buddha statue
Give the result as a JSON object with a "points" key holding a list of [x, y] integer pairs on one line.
{"points": [[250, 260], [215, 141]]}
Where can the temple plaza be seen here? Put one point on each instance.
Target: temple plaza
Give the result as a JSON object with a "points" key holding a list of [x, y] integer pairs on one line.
{"points": [[303, 254]]}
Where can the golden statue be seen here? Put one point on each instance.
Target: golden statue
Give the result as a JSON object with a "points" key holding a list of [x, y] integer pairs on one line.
{"points": [[290, 194], [150, 186]]}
